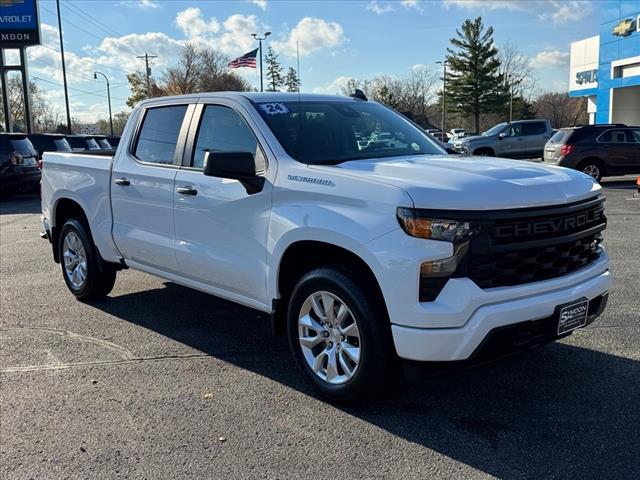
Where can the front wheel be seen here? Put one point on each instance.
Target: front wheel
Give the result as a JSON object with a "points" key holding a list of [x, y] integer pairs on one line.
{"points": [[87, 276], [340, 335]]}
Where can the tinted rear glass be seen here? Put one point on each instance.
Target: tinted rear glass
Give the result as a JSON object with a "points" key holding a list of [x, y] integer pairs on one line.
{"points": [[558, 137], [103, 142], [534, 128], [22, 145], [62, 145], [159, 134]]}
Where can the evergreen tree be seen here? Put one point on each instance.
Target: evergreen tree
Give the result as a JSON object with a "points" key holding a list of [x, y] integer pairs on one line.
{"points": [[291, 80], [474, 82], [274, 71]]}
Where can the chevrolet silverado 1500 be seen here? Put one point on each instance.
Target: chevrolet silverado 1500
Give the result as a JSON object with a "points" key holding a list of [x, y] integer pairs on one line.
{"points": [[364, 241]]}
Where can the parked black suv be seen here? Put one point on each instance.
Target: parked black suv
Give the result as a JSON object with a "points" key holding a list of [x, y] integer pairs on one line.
{"points": [[49, 142], [19, 170], [597, 150], [81, 143]]}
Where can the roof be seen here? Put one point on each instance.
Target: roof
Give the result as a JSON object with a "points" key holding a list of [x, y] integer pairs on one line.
{"points": [[259, 97]]}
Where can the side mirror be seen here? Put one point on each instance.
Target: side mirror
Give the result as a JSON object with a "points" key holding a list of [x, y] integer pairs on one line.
{"points": [[236, 165], [501, 135]]}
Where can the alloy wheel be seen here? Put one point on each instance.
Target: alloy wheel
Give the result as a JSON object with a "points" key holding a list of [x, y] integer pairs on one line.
{"points": [[75, 260], [329, 337], [592, 170]]}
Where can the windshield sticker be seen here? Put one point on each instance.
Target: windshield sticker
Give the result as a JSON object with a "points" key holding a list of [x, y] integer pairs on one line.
{"points": [[273, 108]]}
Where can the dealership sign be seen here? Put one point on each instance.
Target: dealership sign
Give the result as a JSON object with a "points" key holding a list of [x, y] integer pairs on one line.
{"points": [[19, 23], [625, 27]]}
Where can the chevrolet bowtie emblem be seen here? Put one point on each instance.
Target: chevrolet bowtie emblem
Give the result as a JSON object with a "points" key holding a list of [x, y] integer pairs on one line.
{"points": [[624, 28]]}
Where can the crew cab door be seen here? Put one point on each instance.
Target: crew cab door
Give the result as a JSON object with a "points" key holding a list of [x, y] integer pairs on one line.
{"points": [[142, 187], [511, 143], [221, 230]]}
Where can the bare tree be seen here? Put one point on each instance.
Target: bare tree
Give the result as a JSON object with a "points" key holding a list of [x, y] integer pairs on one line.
{"points": [[185, 76], [517, 71], [561, 109], [411, 94]]}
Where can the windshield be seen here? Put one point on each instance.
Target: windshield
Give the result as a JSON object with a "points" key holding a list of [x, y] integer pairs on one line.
{"points": [[335, 132], [495, 130]]}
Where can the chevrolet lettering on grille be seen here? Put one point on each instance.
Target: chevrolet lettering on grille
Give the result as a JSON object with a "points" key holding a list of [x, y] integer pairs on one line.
{"points": [[550, 226]]}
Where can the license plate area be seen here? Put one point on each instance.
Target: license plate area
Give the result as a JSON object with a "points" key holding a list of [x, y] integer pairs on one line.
{"points": [[572, 315]]}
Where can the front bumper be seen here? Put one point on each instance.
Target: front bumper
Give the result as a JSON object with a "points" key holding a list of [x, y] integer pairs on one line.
{"points": [[501, 307]]}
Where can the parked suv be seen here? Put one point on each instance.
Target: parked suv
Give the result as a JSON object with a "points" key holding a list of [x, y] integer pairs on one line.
{"points": [[597, 150], [19, 170], [519, 139], [81, 143], [49, 142]]}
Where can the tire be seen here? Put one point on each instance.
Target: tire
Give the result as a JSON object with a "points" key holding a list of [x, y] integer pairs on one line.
{"points": [[592, 167], [484, 152], [91, 278], [376, 361]]}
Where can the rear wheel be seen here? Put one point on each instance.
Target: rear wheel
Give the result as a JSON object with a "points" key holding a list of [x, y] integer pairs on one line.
{"points": [[87, 276], [340, 335], [593, 168]]}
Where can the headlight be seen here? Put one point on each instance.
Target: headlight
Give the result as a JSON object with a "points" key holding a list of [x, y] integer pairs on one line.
{"points": [[455, 231]]}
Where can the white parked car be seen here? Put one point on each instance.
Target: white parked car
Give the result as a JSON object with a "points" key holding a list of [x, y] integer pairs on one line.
{"points": [[354, 230]]}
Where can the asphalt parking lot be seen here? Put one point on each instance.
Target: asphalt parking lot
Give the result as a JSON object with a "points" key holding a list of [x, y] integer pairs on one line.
{"points": [[159, 381]]}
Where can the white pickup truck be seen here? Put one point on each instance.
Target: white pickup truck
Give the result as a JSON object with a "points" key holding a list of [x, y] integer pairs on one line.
{"points": [[355, 231]]}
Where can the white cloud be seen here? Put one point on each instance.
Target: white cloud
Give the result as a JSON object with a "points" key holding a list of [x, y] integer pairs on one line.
{"points": [[334, 86], [557, 11], [410, 4], [550, 58], [236, 37], [260, 3], [562, 12], [142, 4], [193, 24], [311, 34], [379, 8]]}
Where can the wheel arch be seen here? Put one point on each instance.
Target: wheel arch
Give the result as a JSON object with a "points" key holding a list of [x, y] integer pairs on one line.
{"points": [[488, 150], [303, 256], [63, 209]]}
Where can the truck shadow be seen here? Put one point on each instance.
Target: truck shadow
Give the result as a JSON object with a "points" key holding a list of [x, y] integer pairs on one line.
{"points": [[558, 412], [20, 203]]}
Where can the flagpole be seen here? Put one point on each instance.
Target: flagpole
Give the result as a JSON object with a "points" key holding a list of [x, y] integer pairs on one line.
{"points": [[298, 55], [260, 39]]}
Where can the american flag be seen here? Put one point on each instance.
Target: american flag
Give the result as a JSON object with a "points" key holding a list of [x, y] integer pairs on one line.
{"points": [[246, 60]]}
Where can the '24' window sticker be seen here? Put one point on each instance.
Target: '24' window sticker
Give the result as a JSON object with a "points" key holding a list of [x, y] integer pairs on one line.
{"points": [[273, 108]]}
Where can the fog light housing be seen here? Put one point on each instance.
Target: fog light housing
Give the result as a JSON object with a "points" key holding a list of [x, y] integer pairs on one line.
{"points": [[435, 273]]}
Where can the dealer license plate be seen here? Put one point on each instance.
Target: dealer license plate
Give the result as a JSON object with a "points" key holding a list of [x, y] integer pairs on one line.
{"points": [[572, 315]]}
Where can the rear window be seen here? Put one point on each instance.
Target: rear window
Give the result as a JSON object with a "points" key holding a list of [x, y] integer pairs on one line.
{"points": [[22, 145], [613, 136], [104, 143], [92, 144], [62, 145], [534, 128], [558, 137]]}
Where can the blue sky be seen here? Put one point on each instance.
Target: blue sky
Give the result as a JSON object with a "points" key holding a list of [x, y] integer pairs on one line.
{"points": [[338, 39]]}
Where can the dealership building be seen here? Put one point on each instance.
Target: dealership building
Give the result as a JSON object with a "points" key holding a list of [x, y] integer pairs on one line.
{"points": [[606, 68]]}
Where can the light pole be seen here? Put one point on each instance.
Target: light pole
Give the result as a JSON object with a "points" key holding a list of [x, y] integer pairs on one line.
{"points": [[509, 79], [444, 90], [260, 39], [95, 77]]}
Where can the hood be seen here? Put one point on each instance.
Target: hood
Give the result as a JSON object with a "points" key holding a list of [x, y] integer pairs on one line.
{"points": [[476, 137], [452, 182]]}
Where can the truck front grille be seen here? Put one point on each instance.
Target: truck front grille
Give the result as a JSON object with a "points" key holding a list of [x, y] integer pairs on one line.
{"points": [[533, 264], [530, 245]]}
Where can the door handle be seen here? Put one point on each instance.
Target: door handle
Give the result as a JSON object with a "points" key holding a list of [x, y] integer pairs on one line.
{"points": [[187, 190], [122, 181]]}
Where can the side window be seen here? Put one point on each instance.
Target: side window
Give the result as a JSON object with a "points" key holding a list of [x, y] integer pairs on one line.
{"points": [[223, 130], [635, 135], [534, 128], [613, 136], [158, 136], [514, 130]]}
